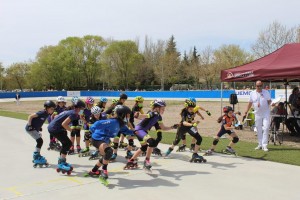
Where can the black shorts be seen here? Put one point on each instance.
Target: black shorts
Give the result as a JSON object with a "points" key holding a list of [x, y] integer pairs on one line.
{"points": [[97, 143]]}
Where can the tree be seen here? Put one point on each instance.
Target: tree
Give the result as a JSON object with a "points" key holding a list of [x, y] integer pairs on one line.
{"points": [[207, 67], [123, 57], [16, 75], [2, 70], [170, 64], [272, 38]]}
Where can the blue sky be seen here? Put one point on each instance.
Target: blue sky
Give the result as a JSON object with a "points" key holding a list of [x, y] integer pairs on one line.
{"points": [[27, 25]]}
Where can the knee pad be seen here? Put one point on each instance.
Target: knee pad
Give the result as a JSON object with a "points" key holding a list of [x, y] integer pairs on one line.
{"points": [[159, 136], [108, 153], [87, 136], [116, 145], [215, 142], [144, 147], [130, 142], [39, 143], [198, 139], [151, 142], [176, 141], [235, 139]]}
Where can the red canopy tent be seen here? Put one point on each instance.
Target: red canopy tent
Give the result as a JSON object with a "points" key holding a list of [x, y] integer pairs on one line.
{"points": [[283, 65]]}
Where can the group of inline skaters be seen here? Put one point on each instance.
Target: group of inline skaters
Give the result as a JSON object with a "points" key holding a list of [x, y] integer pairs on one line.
{"points": [[104, 128]]}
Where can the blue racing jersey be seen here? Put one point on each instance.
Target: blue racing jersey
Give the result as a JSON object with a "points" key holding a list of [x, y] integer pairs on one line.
{"points": [[56, 123], [105, 129]]}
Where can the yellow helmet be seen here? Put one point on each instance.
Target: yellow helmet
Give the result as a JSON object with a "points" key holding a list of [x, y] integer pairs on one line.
{"points": [[139, 99], [115, 100]]}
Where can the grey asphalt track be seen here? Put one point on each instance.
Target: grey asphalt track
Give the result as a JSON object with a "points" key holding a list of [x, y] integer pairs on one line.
{"points": [[222, 177]]}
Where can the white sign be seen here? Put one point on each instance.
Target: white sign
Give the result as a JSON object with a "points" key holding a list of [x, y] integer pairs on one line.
{"points": [[73, 93], [243, 94]]}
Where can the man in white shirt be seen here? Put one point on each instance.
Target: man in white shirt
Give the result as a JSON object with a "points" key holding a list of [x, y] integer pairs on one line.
{"points": [[261, 100]]}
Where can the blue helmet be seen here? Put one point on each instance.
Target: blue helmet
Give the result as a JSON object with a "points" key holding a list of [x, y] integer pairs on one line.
{"points": [[192, 99], [74, 99], [103, 99]]}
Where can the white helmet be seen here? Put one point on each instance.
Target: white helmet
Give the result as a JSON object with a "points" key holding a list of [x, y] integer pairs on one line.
{"points": [[96, 110], [60, 99]]}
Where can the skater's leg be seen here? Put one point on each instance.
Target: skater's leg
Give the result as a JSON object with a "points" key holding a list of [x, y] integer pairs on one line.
{"points": [[194, 133], [234, 140], [77, 135]]}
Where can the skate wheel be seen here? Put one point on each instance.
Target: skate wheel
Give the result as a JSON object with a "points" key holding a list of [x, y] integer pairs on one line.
{"points": [[57, 170], [71, 168], [63, 172], [68, 172], [35, 165], [40, 166], [204, 160]]}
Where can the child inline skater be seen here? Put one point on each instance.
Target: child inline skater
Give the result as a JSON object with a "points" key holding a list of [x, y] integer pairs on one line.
{"points": [[197, 112], [141, 132], [33, 128], [188, 125], [76, 126], [58, 127], [102, 131], [95, 116], [226, 127], [102, 103], [86, 117], [60, 107]]}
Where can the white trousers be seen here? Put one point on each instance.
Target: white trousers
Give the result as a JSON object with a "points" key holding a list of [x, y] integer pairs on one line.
{"points": [[262, 124]]}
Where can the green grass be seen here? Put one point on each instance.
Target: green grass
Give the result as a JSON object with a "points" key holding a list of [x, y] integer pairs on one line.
{"points": [[280, 154]]}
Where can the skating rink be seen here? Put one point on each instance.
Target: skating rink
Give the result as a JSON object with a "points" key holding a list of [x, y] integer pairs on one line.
{"points": [[223, 177]]}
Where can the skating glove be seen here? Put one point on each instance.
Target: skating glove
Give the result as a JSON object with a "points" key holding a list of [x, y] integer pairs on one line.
{"points": [[41, 129], [195, 124], [29, 128], [152, 114], [175, 126], [208, 113]]}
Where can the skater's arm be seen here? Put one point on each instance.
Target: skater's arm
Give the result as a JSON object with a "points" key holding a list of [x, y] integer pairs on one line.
{"points": [[165, 128], [199, 114], [30, 117], [185, 123], [66, 123]]}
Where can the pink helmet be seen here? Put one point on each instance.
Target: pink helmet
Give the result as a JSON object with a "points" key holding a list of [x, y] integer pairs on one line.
{"points": [[89, 100]]}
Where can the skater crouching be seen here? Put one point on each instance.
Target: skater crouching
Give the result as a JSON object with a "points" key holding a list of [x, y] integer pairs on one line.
{"points": [[58, 127], [33, 128], [102, 131], [226, 127]]}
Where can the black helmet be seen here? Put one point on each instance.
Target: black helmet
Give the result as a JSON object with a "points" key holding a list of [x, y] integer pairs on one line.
{"points": [[79, 104], [227, 109], [123, 96], [49, 104], [122, 111]]}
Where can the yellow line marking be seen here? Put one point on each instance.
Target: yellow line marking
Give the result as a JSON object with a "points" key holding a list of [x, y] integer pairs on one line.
{"points": [[74, 180], [14, 190]]}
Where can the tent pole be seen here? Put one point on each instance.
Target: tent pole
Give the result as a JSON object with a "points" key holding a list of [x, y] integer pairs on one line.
{"points": [[221, 98]]}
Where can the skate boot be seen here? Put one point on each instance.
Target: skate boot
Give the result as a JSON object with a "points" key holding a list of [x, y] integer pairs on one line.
{"points": [[131, 164], [156, 151], [94, 156], [63, 166], [196, 158], [71, 151], [168, 152], [39, 160], [229, 150], [52, 145], [103, 177], [78, 148], [85, 152], [209, 152], [192, 147], [113, 157], [128, 155], [181, 148], [123, 145], [147, 166], [57, 146], [93, 174]]}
